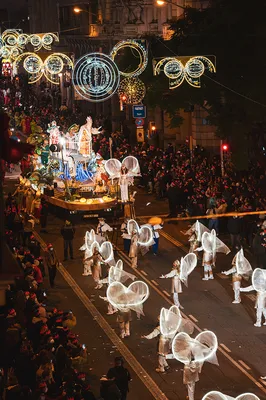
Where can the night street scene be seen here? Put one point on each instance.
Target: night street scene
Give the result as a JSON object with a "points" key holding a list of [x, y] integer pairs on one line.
{"points": [[132, 200]]}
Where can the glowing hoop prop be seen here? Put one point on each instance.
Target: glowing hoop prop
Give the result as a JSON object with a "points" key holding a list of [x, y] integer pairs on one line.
{"points": [[166, 328], [117, 289], [142, 53]]}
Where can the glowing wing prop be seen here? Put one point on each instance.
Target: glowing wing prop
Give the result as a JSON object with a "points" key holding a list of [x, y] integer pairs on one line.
{"points": [[170, 321], [106, 251], [89, 239], [145, 235], [132, 297], [247, 396], [220, 396], [187, 264], [211, 244], [199, 228], [259, 280], [243, 266], [117, 273], [132, 165], [113, 168], [202, 348]]}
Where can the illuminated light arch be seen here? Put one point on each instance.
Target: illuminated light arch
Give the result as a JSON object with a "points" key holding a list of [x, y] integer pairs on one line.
{"points": [[96, 77], [142, 53], [132, 89]]}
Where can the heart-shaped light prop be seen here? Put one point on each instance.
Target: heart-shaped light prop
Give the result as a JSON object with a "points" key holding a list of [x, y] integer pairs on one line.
{"points": [[243, 266], [202, 348], [247, 396], [89, 239], [145, 235], [259, 280], [106, 251], [214, 395], [198, 228], [170, 321], [187, 265], [132, 297], [211, 244], [117, 273], [113, 167]]}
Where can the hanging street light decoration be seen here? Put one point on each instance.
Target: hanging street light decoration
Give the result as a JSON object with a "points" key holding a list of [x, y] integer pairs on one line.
{"points": [[131, 90], [181, 68], [96, 77]]}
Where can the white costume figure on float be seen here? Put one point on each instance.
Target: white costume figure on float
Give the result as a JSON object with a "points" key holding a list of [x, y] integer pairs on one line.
{"points": [[90, 238], [116, 274], [214, 395], [54, 133], [193, 353], [210, 246], [179, 273], [126, 299], [259, 285], [241, 269], [195, 233], [140, 238], [85, 137], [171, 322], [102, 230], [124, 172]]}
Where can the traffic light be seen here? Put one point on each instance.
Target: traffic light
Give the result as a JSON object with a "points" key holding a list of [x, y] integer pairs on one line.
{"points": [[225, 147]]}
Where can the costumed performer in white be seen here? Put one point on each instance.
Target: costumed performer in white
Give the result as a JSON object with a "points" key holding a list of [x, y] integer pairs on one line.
{"points": [[85, 137], [102, 230], [259, 285], [116, 273], [124, 172], [155, 224], [170, 322], [210, 246], [214, 395], [195, 233], [100, 254], [126, 299], [141, 238], [90, 238], [193, 353], [241, 268], [180, 273]]}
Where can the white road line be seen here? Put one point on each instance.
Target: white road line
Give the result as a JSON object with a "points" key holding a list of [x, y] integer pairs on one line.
{"points": [[154, 282], [225, 347], [244, 365], [167, 294], [143, 272], [193, 318]]}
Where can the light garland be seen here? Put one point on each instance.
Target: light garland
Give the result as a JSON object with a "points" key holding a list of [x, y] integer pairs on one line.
{"points": [[96, 77], [140, 47], [16, 38], [132, 90], [178, 69]]}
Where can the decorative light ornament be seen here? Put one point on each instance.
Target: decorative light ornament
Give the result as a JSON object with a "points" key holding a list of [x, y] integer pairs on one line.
{"points": [[96, 77], [178, 69], [33, 64], [35, 41], [132, 90], [214, 395], [140, 47], [54, 64]]}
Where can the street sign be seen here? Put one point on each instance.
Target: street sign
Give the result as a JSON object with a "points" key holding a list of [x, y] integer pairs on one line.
{"points": [[139, 111], [139, 121]]}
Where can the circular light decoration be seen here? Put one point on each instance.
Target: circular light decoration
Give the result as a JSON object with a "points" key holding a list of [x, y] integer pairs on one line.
{"points": [[33, 64], [5, 52], [47, 39], [133, 89], [142, 53], [11, 40], [22, 39], [173, 69], [54, 64], [96, 77], [194, 68], [35, 40], [15, 52]]}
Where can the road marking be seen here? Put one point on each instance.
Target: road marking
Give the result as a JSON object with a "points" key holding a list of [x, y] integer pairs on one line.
{"points": [[222, 276], [263, 382], [251, 297], [193, 318], [104, 325], [244, 365], [167, 294], [145, 273], [225, 347], [154, 282]]}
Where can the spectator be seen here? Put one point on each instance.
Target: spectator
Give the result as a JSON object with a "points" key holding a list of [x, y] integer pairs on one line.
{"points": [[68, 233], [121, 377]]}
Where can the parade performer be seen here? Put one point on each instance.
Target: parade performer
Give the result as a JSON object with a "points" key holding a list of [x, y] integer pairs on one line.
{"points": [[126, 299], [193, 353], [29, 196], [85, 137], [124, 172], [241, 268], [259, 285], [179, 273], [102, 230], [141, 238], [90, 238], [96, 268], [210, 246], [156, 224], [125, 235], [195, 233]]}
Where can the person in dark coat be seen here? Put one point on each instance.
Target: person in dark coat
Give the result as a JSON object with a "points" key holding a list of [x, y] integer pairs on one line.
{"points": [[68, 233], [234, 229], [258, 249], [172, 200], [121, 376]]}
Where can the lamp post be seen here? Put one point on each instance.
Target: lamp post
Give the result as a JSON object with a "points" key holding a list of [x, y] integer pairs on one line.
{"points": [[163, 2]]}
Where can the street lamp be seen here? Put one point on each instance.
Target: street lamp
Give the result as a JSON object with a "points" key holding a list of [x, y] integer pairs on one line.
{"points": [[163, 2]]}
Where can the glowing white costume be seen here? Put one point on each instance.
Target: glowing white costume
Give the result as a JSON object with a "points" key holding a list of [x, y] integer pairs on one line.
{"points": [[140, 238], [195, 233], [179, 273], [126, 299], [102, 230], [85, 137], [193, 353], [214, 395], [259, 285], [210, 246], [124, 172], [241, 269], [90, 238]]}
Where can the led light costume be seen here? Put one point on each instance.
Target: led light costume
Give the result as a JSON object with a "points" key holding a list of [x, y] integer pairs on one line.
{"points": [[126, 299], [193, 353], [116, 273], [180, 273], [171, 322], [141, 238], [259, 285], [241, 268], [85, 137], [124, 172], [100, 254], [195, 233], [214, 395], [210, 246], [90, 238]]}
